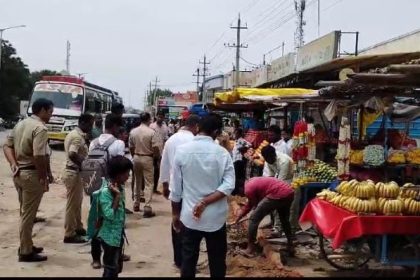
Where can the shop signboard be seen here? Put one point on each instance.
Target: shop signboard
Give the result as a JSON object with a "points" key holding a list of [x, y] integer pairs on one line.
{"points": [[185, 98], [261, 76], [318, 52], [165, 101], [282, 67], [246, 78]]}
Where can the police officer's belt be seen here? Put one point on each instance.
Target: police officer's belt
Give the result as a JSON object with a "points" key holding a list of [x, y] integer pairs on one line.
{"points": [[30, 167], [140, 155]]}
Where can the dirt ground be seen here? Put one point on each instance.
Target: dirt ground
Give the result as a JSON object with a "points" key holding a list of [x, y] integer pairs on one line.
{"points": [[149, 239]]}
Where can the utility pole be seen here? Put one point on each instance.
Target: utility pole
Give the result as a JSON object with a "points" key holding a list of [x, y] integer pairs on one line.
{"points": [[146, 94], [154, 91], [238, 47], [68, 58], [300, 6], [319, 18], [282, 48], [150, 96], [197, 74], [205, 74]]}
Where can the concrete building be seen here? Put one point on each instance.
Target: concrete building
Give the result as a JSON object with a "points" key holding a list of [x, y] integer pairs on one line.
{"points": [[406, 43]]}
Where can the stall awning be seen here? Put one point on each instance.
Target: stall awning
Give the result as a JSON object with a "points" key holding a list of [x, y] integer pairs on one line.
{"points": [[241, 106], [264, 94]]}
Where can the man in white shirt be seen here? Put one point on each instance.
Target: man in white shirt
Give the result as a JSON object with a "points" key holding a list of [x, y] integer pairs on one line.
{"points": [[112, 126], [163, 131], [184, 135], [202, 177], [277, 141], [277, 164], [285, 136]]}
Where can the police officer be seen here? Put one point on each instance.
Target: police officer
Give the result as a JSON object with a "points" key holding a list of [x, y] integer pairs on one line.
{"points": [[76, 151], [26, 151]]}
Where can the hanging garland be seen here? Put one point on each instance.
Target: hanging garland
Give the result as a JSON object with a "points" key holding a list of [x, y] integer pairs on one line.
{"points": [[343, 152], [304, 147]]}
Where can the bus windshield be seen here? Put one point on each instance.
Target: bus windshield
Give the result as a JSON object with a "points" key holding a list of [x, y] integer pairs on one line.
{"points": [[67, 97]]}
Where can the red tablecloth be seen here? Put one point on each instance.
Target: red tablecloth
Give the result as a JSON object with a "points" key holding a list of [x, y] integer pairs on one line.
{"points": [[340, 225]]}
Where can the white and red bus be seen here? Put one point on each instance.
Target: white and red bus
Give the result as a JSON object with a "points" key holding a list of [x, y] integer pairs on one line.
{"points": [[71, 97]]}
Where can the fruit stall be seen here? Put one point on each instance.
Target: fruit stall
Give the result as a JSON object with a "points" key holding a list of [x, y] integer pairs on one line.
{"points": [[361, 220], [310, 175], [373, 212]]}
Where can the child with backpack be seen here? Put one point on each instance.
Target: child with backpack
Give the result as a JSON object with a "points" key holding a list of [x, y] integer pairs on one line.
{"points": [[106, 218]]}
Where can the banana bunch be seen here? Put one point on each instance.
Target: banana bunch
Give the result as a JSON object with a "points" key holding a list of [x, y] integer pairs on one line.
{"points": [[411, 206], [409, 190], [300, 181], [365, 190], [396, 157], [358, 205], [388, 190], [356, 157], [340, 200], [326, 195], [413, 156], [347, 188], [390, 206]]}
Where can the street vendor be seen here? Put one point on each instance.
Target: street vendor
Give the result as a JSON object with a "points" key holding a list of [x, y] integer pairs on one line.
{"points": [[275, 137], [277, 164], [265, 195]]}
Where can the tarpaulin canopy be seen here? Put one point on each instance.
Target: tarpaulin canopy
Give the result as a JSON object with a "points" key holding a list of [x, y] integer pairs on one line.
{"points": [[264, 94]]}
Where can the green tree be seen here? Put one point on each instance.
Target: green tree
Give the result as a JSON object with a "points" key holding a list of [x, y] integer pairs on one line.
{"points": [[15, 82], [37, 75]]}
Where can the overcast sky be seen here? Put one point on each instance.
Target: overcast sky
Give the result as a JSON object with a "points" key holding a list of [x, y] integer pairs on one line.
{"points": [[124, 44]]}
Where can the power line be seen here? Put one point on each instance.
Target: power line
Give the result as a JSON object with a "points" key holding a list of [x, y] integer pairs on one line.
{"points": [[332, 5], [220, 65], [246, 61], [285, 14], [269, 9], [245, 9], [273, 13], [217, 41], [251, 5], [286, 19]]}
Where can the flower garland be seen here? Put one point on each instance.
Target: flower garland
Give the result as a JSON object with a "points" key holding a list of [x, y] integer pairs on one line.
{"points": [[343, 152]]}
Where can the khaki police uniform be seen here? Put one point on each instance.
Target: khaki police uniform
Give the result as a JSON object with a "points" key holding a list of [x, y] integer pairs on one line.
{"points": [[144, 140], [75, 142], [29, 138]]}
